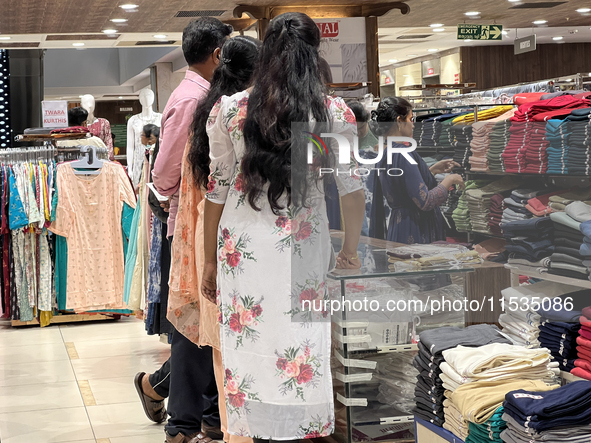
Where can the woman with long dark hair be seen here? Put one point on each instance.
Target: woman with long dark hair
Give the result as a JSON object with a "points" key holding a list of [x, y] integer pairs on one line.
{"points": [[191, 314], [267, 243]]}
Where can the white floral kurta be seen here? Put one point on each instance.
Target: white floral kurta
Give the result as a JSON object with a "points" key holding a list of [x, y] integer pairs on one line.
{"points": [[278, 383]]}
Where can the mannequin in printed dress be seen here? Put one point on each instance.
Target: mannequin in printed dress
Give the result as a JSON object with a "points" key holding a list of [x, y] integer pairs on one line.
{"points": [[135, 126], [99, 127]]}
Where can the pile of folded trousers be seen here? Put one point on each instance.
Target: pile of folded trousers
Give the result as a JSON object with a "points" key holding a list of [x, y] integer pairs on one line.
{"points": [[495, 213], [583, 362], [579, 154], [429, 392], [479, 201], [478, 403], [557, 134], [515, 205], [462, 135], [529, 241], [553, 416], [566, 259], [499, 138]]}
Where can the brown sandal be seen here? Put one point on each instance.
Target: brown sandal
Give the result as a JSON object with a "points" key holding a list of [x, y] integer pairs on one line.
{"points": [[154, 409]]}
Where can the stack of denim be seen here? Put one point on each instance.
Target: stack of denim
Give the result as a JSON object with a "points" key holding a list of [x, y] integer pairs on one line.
{"points": [[557, 134], [579, 155], [559, 415], [529, 240]]}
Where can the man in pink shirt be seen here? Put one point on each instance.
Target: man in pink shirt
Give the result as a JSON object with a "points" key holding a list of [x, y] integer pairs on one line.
{"points": [[187, 378]]}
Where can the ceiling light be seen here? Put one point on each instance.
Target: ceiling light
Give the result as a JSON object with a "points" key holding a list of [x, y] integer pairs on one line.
{"points": [[590, 74], [569, 79], [128, 7], [405, 75], [557, 38], [432, 50], [504, 32], [78, 44], [583, 10], [540, 22], [160, 36], [120, 97], [110, 31], [411, 55], [468, 40], [436, 25], [472, 13], [514, 1], [4, 38], [392, 60], [118, 20], [438, 29]]}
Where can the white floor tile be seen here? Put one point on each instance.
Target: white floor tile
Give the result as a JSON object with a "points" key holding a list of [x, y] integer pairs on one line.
{"points": [[107, 330], [150, 438], [34, 354], [50, 426], [40, 397], [28, 374], [121, 420], [125, 366], [130, 347], [108, 391], [10, 336]]}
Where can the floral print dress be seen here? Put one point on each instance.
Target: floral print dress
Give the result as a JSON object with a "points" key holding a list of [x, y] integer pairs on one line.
{"points": [[276, 357]]}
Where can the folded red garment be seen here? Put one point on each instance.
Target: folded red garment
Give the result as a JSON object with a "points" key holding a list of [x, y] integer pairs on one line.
{"points": [[71, 130], [520, 99], [585, 333], [585, 364], [585, 322], [584, 341], [527, 111], [547, 210], [545, 116], [580, 372], [584, 353], [587, 312]]}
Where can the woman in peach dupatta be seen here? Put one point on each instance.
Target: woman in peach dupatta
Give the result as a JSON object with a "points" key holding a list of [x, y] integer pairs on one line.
{"points": [[189, 312]]}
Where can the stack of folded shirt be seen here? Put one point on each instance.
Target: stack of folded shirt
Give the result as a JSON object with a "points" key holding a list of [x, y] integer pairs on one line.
{"points": [[479, 201], [446, 138], [585, 247], [461, 215], [557, 415], [561, 201], [529, 240], [538, 205], [566, 259], [515, 205], [478, 402], [557, 134], [495, 213], [561, 339], [462, 135], [583, 362], [451, 205], [536, 157], [431, 346], [514, 153], [428, 131], [579, 161], [499, 138], [489, 431], [479, 145], [544, 110]]}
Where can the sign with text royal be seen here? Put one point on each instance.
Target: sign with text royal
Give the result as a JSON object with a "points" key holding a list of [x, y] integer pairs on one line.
{"points": [[55, 113], [480, 32]]}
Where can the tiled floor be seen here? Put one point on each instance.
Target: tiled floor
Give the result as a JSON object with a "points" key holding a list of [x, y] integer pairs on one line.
{"points": [[42, 372]]}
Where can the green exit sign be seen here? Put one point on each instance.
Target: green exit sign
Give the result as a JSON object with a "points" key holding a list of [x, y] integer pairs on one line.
{"points": [[480, 32]]}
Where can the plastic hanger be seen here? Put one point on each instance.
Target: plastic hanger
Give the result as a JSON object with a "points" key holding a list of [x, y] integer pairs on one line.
{"points": [[90, 164]]}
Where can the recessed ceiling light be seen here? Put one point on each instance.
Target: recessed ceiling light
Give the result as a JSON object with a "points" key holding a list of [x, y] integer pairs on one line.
{"points": [[436, 25], [472, 13], [118, 20], [120, 97], [432, 50], [5, 37], [468, 40], [557, 38], [128, 7], [540, 22], [392, 60], [160, 36], [438, 29], [411, 55], [583, 10], [110, 31], [78, 44]]}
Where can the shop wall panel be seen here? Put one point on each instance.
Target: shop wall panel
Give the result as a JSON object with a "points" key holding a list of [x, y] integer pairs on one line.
{"points": [[495, 66]]}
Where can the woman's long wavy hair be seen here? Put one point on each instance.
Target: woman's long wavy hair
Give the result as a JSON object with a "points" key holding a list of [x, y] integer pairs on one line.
{"points": [[238, 58], [288, 88]]}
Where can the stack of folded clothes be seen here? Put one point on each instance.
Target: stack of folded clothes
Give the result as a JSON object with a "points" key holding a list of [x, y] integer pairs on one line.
{"points": [[479, 402], [479, 146], [430, 357], [585, 248], [479, 201], [514, 153], [536, 156], [499, 138], [583, 362], [579, 154], [557, 134], [539, 205], [515, 205], [553, 415], [428, 131], [446, 138], [559, 202], [451, 205], [461, 215], [544, 110], [495, 213], [529, 240], [462, 135], [561, 339], [566, 259]]}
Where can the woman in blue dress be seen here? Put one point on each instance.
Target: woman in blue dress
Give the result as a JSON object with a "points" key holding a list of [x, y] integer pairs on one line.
{"points": [[413, 197]]}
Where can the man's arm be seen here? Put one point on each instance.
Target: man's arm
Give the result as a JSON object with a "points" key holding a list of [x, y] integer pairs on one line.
{"points": [[174, 135]]}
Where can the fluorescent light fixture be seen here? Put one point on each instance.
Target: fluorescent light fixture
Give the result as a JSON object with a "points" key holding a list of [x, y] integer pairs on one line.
{"points": [[583, 10], [78, 44], [540, 22], [514, 1], [472, 13], [120, 97], [411, 55], [160, 36], [432, 50], [436, 25], [4, 37], [128, 7], [438, 29], [468, 40], [392, 60], [557, 38], [118, 20], [110, 31]]}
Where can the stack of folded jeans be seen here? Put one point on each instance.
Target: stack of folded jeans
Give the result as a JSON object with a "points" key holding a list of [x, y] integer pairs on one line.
{"points": [[583, 362], [579, 155], [499, 138], [558, 415], [561, 339], [557, 134], [479, 401], [530, 239], [431, 346], [462, 135], [566, 259], [495, 213]]}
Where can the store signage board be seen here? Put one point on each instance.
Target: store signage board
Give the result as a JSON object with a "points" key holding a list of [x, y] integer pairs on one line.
{"points": [[55, 113], [480, 32], [525, 44]]}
